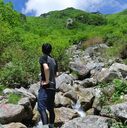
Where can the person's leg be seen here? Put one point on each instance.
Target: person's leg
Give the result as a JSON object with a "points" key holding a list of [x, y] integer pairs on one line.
{"points": [[50, 107], [51, 116], [44, 117], [42, 106]]}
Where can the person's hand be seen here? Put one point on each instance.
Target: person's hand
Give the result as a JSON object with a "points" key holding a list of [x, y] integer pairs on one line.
{"points": [[44, 83]]}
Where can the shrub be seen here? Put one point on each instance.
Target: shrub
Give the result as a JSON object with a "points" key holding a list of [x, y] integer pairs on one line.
{"points": [[118, 125], [92, 41], [123, 53], [13, 98], [2, 87], [120, 90], [91, 19]]}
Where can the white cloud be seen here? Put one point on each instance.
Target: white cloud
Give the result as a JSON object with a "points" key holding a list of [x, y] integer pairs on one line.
{"points": [[44, 6]]}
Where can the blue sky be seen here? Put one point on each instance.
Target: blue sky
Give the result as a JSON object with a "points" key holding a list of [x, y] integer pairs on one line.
{"points": [[37, 7]]}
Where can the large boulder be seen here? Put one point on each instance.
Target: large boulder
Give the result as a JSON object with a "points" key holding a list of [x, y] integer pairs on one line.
{"points": [[65, 114], [65, 87], [8, 91], [70, 23], [26, 93], [36, 115], [80, 70], [61, 100], [71, 95], [11, 113], [34, 88], [28, 112], [63, 79], [14, 125], [118, 111], [88, 122], [87, 97], [89, 82], [122, 68], [105, 75]]}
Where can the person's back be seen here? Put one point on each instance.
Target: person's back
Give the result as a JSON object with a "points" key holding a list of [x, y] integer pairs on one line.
{"points": [[52, 67], [46, 95]]}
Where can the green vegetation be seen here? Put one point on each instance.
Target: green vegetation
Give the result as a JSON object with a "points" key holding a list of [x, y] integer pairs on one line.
{"points": [[116, 97], [2, 87], [13, 98], [119, 125], [21, 38]]}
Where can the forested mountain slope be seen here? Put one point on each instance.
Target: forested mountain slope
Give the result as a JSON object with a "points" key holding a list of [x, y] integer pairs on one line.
{"points": [[21, 38]]}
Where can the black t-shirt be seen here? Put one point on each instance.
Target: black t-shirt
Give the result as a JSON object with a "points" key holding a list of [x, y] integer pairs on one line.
{"points": [[52, 69]]}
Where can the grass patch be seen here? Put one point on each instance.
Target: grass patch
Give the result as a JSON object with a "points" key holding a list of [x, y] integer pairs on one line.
{"points": [[14, 98], [118, 125], [120, 90], [2, 87]]}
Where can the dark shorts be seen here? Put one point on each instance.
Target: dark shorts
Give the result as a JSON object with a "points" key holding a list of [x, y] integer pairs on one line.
{"points": [[45, 99]]}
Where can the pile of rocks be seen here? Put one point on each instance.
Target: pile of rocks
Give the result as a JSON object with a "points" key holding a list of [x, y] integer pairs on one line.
{"points": [[87, 69]]}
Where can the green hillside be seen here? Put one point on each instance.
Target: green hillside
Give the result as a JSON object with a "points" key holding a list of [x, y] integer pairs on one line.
{"points": [[21, 38]]}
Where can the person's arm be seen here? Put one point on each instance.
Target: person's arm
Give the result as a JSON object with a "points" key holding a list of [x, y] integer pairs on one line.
{"points": [[46, 72]]}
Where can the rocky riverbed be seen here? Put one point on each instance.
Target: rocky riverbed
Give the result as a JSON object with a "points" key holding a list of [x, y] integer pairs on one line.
{"points": [[81, 100]]}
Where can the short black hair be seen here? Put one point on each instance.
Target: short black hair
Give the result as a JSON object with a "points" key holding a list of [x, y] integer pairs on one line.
{"points": [[46, 48]]}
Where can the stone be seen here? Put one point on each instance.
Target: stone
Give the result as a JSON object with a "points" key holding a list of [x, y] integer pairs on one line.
{"points": [[80, 70], [63, 79], [117, 111], [105, 75], [65, 87], [65, 114], [34, 88], [25, 93], [11, 113], [122, 68], [28, 113], [89, 121], [14, 125], [8, 91], [61, 100], [71, 95], [89, 82]]}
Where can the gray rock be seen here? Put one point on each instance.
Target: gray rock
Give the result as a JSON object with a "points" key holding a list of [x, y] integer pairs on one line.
{"points": [[94, 65], [61, 100], [1, 126], [65, 114], [106, 75], [124, 97], [8, 91], [34, 88], [122, 68], [71, 95], [80, 70], [118, 111], [14, 125], [26, 93], [70, 23], [36, 115], [108, 90], [28, 113], [63, 79], [86, 97], [88, 122], [65, 87], [11, 113], [89, 82]]}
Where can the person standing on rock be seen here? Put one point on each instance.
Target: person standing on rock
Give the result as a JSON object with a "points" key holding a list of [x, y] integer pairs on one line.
{"points": [[46, 94]]}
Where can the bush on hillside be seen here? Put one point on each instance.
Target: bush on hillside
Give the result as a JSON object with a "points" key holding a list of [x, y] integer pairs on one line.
{"points": [[91, 42], [91, 19], [21, 39], [123, 53]]}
